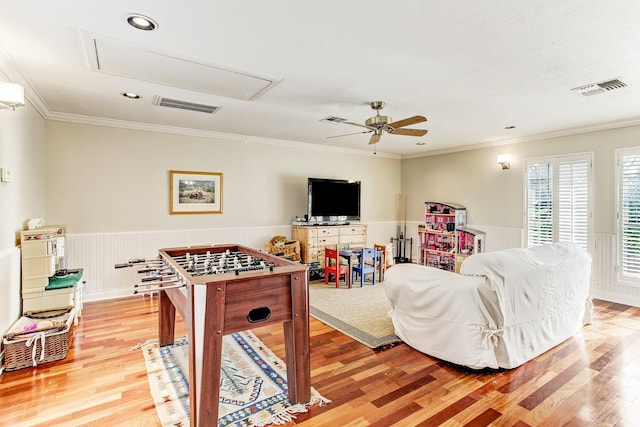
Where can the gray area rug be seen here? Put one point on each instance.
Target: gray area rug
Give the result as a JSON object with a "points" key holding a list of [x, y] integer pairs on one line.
{"points": [[360, 313]]}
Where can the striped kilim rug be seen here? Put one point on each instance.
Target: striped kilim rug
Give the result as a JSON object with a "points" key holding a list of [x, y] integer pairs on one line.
{"points": [[253, 383]]}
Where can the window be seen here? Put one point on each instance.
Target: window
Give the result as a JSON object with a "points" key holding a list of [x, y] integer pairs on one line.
{"points": [[558, 200], [539, 204], [628, 180]]}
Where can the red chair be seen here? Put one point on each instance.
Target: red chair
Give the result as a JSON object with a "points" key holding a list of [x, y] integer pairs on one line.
{"points": [[332, 266]]}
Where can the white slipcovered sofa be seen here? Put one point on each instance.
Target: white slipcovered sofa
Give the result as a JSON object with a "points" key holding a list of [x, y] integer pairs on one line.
{"points": [[503, 309]]}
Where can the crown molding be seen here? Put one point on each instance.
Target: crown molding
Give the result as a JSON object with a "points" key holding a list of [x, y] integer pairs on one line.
{"points": [[73, 118], [528, 138]]}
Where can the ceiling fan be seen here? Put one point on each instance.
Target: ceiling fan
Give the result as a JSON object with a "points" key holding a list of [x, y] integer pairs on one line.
{"points": [[379, 124]]}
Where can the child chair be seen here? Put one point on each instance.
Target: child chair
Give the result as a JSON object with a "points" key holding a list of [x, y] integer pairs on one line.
{"points": [[332, 266], [363, 267], [381, 254]]}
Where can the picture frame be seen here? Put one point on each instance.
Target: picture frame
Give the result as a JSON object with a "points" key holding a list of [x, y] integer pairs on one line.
{"points": [[192, 192]]}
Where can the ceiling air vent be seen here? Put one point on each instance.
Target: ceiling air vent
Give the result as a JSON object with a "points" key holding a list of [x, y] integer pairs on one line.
{"points": [[333, 119], [185, 105], [596, 88]]}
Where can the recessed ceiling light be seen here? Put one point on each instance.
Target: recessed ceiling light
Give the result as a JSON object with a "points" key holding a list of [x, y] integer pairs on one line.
{"points": [[142, 22], [130, 95], [510, 127], [420, 143]]}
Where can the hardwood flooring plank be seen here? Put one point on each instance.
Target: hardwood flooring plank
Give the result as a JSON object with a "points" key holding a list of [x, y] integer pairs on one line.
{"points": [[449, 412], [396, 416], [535, 398], [484, 419], [591, 379], [402, 391]]}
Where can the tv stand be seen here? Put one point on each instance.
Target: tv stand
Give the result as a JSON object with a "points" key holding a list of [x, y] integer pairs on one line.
{"points": [[314, 238]]}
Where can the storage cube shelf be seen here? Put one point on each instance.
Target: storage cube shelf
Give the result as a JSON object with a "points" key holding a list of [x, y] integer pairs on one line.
{"points": [[40, 258], [48, 299], [43, 255]]}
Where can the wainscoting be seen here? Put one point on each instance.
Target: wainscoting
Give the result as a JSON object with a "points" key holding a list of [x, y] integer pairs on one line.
{"points": [[9, 287], [98, 253], [605, 285]]}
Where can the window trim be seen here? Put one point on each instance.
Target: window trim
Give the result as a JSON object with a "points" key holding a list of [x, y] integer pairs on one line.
{"points": [[620, 153], [555, 160]]}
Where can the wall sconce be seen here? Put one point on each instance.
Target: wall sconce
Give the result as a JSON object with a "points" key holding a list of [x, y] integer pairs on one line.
{"points": [[11, 96], [503, 160]]}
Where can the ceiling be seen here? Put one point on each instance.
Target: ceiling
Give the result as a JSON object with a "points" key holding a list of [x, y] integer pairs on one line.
{"points": [[277, 68]]}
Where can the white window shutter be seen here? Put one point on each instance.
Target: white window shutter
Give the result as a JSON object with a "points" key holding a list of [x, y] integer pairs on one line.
{"points": [[539, 204], [629, 230], [559, 200], [573, 201]]}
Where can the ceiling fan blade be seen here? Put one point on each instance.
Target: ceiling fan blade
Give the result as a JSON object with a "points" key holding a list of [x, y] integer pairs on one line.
{"points": [[347, 134], [409, 132], [374, 138], [360, 125], [408, 121]]}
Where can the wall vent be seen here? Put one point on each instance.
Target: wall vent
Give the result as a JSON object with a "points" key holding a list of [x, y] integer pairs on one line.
{"points": [[185, 105], [333, 119], [596, 88]]}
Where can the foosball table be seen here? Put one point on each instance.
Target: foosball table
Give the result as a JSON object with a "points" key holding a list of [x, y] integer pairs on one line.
{"points": [[223, 289]]}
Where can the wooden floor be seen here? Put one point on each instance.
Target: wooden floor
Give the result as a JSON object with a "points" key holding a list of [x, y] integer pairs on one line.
{"points": [[591, 379]]}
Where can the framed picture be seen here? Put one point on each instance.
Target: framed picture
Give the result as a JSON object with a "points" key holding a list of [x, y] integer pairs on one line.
{"points": [[195, 192]]}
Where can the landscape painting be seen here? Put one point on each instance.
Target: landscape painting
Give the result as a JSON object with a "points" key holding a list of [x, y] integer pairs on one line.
{"points": [[195, 192]]}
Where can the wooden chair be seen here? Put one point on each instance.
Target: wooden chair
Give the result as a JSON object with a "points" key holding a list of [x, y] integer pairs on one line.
{"points": [[363, 267], [381, 253], [332, 266]]}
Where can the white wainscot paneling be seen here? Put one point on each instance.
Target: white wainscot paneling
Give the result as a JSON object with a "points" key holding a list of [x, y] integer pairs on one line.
{"points": [[10, 298], [604, 283], [98, 253]]}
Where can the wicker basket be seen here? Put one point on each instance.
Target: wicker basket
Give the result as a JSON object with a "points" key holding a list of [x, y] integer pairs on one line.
{"points": [[19, 349], [289, 250]]}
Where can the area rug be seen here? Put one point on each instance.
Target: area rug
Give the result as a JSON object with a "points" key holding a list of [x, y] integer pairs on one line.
{"points": [[359, 312], [253, 383]]}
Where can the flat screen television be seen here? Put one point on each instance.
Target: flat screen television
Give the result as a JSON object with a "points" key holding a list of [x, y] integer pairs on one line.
{"points": [[333, 201]]}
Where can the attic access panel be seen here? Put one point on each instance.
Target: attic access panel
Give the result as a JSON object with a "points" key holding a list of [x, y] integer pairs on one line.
{"points": [[128, 60]]}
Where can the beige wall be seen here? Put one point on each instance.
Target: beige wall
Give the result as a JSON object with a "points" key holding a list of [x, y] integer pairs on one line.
{"points": [[22, 151], [103, 179], [494, 196]]}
